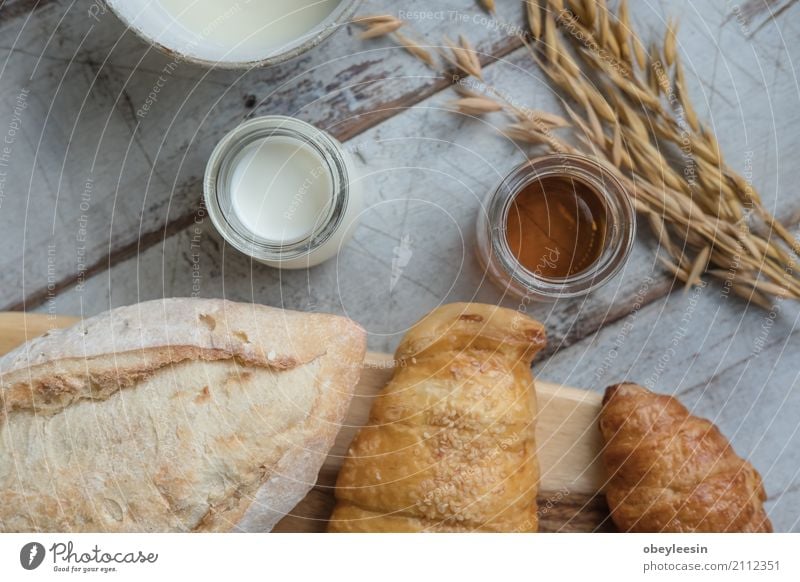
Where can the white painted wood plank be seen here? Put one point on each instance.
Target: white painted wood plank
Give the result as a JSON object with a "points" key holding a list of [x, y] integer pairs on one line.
{"points": [[132, 184], [426, 173], [87, 120], [756, 16]]}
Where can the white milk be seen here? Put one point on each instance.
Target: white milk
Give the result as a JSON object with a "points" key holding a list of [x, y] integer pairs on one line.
{"points": [[280, 189], [283, 192], [248, 26]]}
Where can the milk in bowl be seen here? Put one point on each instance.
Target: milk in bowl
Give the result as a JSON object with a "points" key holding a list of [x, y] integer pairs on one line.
{"points": [[237, 33]]}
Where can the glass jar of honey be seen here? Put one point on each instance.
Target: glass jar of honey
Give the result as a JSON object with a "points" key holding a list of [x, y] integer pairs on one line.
{"points": [[556, 226]]}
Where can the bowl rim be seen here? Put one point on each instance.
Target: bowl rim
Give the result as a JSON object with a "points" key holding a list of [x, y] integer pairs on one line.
{"points": [[341, 15]]}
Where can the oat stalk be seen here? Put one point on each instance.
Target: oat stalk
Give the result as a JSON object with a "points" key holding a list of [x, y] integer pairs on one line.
{"points": [[381, 25], [463, 57], [630, 109]]}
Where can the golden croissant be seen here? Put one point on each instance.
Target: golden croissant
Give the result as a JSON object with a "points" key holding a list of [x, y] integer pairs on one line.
{"points": [[674, 472], [450, 442]]}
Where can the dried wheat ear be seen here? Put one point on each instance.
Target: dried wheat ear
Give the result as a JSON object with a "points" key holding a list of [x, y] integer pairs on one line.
{"points": [[627, 105]]}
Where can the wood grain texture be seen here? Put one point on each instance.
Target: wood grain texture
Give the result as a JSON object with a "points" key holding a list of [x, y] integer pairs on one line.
{"points": [[732, 364], [16, 328], [753, 15], [111, 141], [425, 173], [559, 513], [101, 183], [566, 434]]}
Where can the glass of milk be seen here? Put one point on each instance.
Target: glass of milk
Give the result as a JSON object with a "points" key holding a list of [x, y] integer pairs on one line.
{"points": [[283, 192]]}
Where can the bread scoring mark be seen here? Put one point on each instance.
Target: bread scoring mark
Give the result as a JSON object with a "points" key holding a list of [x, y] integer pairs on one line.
{"points": [[26, 393], [52, 394], [281, 362]]}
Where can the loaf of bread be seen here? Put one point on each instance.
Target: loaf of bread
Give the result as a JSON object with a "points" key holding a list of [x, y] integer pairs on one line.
{"points": [[450, 441], [173, 415], [673, 472]]}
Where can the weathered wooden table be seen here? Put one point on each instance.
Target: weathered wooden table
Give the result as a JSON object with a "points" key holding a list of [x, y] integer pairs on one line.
{"points": [[100, 198]]}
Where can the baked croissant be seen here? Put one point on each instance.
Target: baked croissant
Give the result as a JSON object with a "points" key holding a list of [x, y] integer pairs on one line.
{"points": [[450, 441], [674, 472]]}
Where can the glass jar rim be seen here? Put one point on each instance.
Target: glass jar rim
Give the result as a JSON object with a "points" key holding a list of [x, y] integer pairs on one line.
{"points": [[216, 182], [620, 224]]}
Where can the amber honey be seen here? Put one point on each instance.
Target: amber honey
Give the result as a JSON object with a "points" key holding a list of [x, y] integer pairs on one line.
{"points": [[556, 226]]}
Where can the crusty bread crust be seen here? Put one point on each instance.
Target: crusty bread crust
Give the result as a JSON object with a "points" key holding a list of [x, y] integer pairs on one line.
{"points": [[172, 415]]}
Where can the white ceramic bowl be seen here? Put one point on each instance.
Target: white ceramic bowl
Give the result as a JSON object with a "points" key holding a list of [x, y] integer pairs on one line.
{"points": [[153, 23]]}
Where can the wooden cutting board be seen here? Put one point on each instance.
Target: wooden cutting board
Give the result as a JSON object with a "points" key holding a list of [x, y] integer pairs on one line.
{"points": [[566, 432]]}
